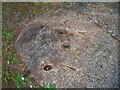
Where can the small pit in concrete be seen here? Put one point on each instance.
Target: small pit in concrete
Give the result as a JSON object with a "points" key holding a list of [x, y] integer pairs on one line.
{"points": [[47, 67], [66, 45]]}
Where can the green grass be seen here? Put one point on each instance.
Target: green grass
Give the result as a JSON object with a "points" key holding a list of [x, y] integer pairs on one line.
{"points": [[14, 59], [18, 80], [6, 77], [8, 35], [10, 58], [49, 86]]}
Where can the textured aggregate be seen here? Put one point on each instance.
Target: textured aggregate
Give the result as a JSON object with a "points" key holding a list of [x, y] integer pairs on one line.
{"points": [[81, 54]]}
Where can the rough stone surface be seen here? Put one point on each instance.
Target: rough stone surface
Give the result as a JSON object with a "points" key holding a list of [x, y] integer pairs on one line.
{"points": [[81, 54], [104, 15]]}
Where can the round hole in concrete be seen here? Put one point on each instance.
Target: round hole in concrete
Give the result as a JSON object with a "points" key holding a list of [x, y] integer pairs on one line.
{"points": [[47, 67], [66, 45], [61, 32], [101, 66]]}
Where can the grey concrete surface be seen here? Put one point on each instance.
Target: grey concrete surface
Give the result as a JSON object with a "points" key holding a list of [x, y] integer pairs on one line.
{"points": [[78, 46]]}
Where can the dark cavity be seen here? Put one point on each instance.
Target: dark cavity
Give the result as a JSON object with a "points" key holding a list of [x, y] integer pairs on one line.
{"points": [[47, 67]]}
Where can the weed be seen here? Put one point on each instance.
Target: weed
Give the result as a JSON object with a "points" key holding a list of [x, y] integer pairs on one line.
{"points": [[10, 58], [50, 86], [6, 77], [19, 80], [14, 59], [8, 35]]}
